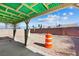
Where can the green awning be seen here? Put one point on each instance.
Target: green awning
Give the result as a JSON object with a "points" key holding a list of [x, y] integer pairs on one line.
{"points": [[17, 12]]}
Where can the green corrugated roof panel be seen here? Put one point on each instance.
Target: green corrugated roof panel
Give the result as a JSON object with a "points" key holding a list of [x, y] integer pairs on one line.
{"points": [[23, 12], [25, 9], [16, 17], [13, 5], [2, 8], [12, 11], [39, 8], [6, 19], [29, 4], [1, 15], [33, 14], [22, 15], [5, 13], [9, 17], [52, 5]]}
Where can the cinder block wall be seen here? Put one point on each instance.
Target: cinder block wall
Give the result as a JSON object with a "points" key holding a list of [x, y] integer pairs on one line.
{"points": [[6, 32], [9, 33], [20, 36], [70, 31]]}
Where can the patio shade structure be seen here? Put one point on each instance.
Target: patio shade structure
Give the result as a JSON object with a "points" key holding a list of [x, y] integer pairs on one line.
{"points": [[17, 12]]}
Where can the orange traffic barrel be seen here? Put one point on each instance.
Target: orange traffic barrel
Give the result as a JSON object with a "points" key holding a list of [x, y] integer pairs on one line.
{"points": [[48, 40]]}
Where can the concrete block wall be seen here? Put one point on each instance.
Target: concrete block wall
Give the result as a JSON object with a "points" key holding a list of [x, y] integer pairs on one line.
{"points": [[6, 32], [19, 37]]}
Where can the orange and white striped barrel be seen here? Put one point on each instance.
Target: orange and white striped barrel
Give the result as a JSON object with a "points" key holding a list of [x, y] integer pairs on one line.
{"points": [[48, 40]]}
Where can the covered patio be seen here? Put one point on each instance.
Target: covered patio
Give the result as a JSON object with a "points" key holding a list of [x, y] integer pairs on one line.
{"points": [[14, 13]]}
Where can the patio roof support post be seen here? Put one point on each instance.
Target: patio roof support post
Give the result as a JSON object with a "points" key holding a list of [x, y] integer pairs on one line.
{"points": [[26, 32], [14, 31]]}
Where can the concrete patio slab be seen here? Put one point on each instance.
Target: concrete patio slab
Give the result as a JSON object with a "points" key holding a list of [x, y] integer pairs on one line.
{"points": [[9, 47]]}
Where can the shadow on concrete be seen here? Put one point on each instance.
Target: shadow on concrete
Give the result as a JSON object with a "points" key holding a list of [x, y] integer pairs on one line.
{"points": [[39, 44], [4, 38], [11, 40]]}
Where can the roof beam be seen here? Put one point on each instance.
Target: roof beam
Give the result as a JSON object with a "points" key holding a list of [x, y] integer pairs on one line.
{"points": [[4, 18], [30, 13], [4, 15], [1, 18], [45, 5], [10, 13], [34, 5], [30, 8], [19, 7], [23, 14], [6, 9], [7, 15], [6, 6]]}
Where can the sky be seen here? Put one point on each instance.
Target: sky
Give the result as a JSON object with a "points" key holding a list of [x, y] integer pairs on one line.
{"points": [[65, 16]]}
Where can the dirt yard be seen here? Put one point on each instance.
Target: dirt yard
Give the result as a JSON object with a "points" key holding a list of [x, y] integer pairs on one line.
{"points": [[62, 45]]}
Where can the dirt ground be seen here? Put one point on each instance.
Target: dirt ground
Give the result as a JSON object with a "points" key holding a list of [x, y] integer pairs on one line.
{"points": [[62, 45]]}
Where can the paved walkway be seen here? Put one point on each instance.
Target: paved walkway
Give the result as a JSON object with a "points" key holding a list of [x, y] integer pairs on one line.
{"points": [[8, 47]]}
